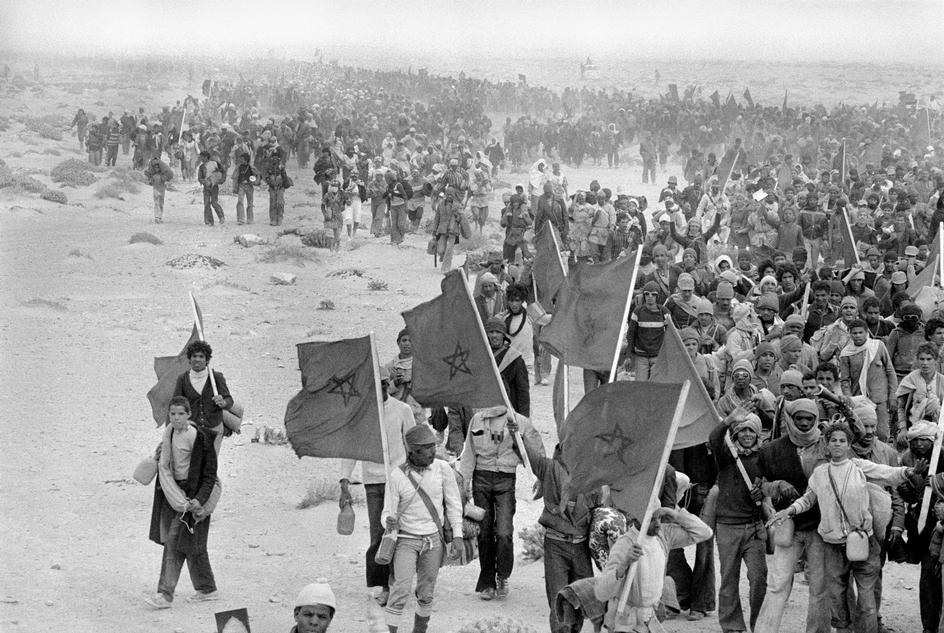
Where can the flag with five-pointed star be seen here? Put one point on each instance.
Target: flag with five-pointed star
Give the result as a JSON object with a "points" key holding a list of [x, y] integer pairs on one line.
{"points": [[335, 414], [452, 363], [615, 436]]}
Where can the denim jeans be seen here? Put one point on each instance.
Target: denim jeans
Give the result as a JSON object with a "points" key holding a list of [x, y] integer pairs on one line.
{"points": [[747, 542], [414, 556], [159, 203], [378, 214], [780, 570], [276, 205], [211, 203], [377, 575], [495, 492], [201, 574], [244, 214], [839, 571], [398, 223], [643, 367], [564, 563]]}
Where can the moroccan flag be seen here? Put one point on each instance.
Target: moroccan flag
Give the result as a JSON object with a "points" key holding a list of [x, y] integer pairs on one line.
{"points": [[716, 99], [674, 365], [586, 327], [616, 436], [849, 255], [730, 108], [168, 368], [336, 412], [925, 278], [548, 268], [748, 98], [452, 363]]}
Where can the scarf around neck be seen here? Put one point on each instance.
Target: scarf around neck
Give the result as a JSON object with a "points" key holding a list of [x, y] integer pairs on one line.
{"points": [[198, 379]]}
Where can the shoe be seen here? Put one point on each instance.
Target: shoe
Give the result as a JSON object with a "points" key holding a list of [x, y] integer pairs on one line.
{"points": [[487, 594], [158, 601], [382, 596], [201, 596], [501, 591], [695, 616]]}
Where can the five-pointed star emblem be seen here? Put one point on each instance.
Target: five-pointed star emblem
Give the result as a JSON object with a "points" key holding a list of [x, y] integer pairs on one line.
{"points": [[614, 441], [457, 361], [344, 386]]}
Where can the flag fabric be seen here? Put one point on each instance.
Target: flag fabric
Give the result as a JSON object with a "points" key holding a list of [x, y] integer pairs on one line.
{"points": [[587, 324], [616, 436], [748, 98], [926, 277], [674, 365], [730, 108], [452, 364], [673, 91], [336, 412], [167, 369], [547, 269], [716, 99], [839, 160]]}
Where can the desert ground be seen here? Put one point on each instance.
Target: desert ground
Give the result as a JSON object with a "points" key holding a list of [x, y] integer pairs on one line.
{"points": [[84, 313]]}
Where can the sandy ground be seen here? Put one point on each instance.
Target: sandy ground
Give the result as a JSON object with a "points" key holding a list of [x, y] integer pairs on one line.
{"points": [[84, 314]]}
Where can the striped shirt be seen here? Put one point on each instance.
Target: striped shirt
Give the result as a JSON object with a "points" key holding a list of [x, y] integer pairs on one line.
{"points": [[647, 330]]}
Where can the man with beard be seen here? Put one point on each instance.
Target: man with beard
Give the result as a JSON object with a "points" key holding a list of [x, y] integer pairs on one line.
{"points": [[421, 502]]}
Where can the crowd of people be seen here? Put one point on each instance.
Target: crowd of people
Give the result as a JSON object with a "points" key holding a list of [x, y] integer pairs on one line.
{"points": [[792, 264]]}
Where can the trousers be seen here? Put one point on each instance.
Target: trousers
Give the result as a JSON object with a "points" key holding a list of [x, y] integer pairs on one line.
{"points": [[780, 570], [495, 492], [418, 557]]}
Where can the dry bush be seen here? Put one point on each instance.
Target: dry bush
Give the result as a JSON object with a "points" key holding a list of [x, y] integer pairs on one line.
{"points": [[45, 303], [376, 284], [193, 260], [325, 304], [325, 490], [144, 236], [128, 177], [496, 624], [52, 151], [108, 190], [28, 183], [291, 253], [79, 253], [532, 542], [74, 173], [55, 196], [346, 272], [44, 129]]}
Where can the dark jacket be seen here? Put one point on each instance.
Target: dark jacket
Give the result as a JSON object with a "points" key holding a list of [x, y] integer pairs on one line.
{"points": [[572, 520], [203, 411], [551, 210], [735, 506], [779, 460], [517, 386], [201, 477]]}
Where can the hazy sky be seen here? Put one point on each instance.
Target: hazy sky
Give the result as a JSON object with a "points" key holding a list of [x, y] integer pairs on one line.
{"points": [[808, 30]]}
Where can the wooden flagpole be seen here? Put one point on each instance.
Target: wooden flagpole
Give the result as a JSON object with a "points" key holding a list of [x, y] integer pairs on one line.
{"points": [[519, 442], [655, 493], [380, 402], [197, 324], [563, 366], [936, 451], [624, 322], [855, 251]]}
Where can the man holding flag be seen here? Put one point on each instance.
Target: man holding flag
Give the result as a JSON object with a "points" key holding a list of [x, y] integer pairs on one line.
{"points": [[208, 397]]}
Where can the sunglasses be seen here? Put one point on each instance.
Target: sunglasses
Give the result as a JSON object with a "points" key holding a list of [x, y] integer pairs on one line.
{"points": [[650, 294]]}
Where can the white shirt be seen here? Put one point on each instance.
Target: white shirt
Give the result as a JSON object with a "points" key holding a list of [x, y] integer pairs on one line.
{"points": [[402, 500], [397, 419]]}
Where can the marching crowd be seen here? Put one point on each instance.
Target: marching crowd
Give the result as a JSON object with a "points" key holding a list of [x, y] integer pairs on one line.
{"points": [[796, 265]]}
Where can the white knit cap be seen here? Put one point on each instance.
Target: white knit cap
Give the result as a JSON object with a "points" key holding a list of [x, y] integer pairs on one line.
{"points": [[316, 593]]}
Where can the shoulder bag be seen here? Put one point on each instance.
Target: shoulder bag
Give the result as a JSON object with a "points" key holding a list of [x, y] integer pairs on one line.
{"points": [[857, 539]]}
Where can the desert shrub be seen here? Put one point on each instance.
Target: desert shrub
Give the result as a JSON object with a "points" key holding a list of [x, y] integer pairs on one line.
{"points": [[344, 273], [325, 304], [79, 253], [128, 177], [55, 196], [293, 253], [376, 284], [74, 172], [324, 490], [52, 151], [45, 303], [532, 542], [44, 129], [194, 260], [28, 183], [496, 624], [108, 190], [144, 236]]}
